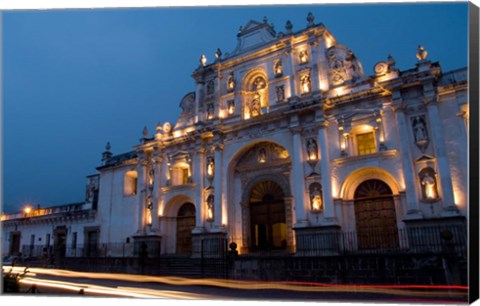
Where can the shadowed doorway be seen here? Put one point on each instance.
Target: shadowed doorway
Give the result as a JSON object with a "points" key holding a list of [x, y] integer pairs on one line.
{"points": [[185, 225], [268, 228]]}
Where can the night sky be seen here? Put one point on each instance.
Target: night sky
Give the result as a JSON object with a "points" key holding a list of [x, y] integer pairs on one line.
{"points": [[75, 79]]}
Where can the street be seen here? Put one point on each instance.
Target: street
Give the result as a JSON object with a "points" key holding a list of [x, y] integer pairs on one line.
{"points": [[65, 283]]}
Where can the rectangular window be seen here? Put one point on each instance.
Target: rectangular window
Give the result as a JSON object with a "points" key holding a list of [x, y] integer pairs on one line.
{"points": [[366, 143], [47, 240]]}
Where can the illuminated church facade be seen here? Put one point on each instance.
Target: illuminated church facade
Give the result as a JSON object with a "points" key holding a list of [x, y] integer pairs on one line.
{"points": [[284, 139]]}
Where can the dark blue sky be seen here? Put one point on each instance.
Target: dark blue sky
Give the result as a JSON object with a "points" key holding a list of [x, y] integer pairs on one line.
{"points": [[75, 79]]}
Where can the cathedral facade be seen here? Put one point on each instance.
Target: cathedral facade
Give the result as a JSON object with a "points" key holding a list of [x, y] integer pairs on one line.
{"points": [[283, 140]]}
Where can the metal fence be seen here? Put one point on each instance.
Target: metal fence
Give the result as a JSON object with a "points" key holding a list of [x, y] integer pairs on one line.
{"points": [[450, 240], [427, 239]]}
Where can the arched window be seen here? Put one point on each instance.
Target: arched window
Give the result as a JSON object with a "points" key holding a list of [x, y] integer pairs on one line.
{"points": [[130, 183]]}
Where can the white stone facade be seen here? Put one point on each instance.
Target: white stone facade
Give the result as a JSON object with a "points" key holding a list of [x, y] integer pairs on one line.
{"points": [[287, 136]]}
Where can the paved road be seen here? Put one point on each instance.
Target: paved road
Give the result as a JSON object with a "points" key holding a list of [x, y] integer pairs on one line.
{"points": [[69, 283]]}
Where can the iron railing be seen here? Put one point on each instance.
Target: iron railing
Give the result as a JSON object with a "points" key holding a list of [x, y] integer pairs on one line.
{"points": [[427, 239], [451, 240]]}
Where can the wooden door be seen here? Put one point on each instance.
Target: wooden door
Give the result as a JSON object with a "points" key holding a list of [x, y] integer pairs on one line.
{"points": [[185, 225], [375, 216]]}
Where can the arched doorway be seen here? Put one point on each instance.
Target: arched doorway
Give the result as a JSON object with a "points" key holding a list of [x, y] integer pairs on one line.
{"points": [[268, 228], [185, 225], [375, 216]]}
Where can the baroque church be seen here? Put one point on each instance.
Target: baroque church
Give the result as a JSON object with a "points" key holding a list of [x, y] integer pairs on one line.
{"points": [[281, 141]]}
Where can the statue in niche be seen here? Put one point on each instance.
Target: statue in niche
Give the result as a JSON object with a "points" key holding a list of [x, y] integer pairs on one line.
{"points": [[210, 111], [419, 129], [278, 68], [429, 186], [211, 207], [259, 83], [149, 209], [312, 149], [316, 199], [210, 166], [231, 106], [151, 174], [306, 83], [280, 93], [262, 155], [231, 82], [303, 57], [255, 107]]}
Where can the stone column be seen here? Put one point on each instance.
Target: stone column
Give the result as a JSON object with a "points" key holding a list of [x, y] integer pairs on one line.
{"points": [[298, 179], [329, 211], [442, 160], [198, 99], [314, 71], [140, 198], [157, 193], [218, 184], [407, 160], [198, 179], [291, 73]]}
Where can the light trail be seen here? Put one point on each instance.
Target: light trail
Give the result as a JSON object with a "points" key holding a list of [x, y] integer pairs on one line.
{"points": [[425, 291], [117, 291]]}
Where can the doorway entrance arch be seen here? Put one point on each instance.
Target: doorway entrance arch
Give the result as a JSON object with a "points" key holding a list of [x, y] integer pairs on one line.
{"points": [[375, 216], [268, 227], [185, 225]]}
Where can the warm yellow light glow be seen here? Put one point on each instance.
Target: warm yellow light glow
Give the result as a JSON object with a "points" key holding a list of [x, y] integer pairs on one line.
{"points": [[224, 217], [177, 134], [343, 145], [303, 57], [27, 209], [334, 189], [231, 109], [135, 291], [161, 207], [340, 91], [305, 88], [323, 86], [210, 168], [328, 42], [317, 203], [386, 77], [221, 114], [382, 138], [247, 115], [209, 213]]}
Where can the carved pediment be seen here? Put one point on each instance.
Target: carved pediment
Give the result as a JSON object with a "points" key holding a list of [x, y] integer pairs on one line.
{"points": [[253, 34]]}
